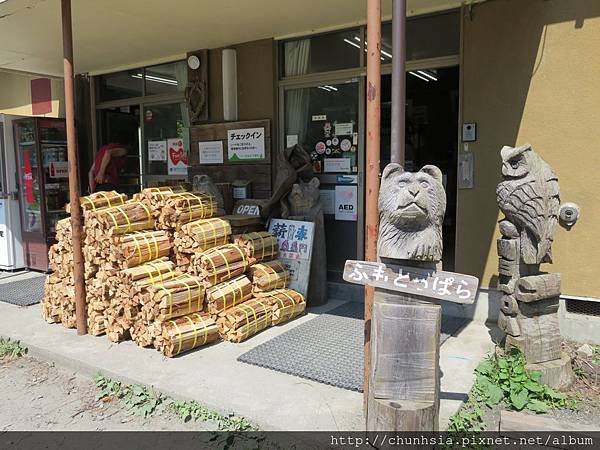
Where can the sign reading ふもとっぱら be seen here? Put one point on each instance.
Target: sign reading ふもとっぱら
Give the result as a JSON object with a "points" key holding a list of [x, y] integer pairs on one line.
{"points": [[247, 144], [295, 241]]}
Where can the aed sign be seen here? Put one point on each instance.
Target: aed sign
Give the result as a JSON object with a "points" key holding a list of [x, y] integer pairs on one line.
{"points": [[346, 200]]}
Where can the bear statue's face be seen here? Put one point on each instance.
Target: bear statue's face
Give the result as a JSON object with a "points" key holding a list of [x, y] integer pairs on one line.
{"points": [[304, 196], [412, 201]]}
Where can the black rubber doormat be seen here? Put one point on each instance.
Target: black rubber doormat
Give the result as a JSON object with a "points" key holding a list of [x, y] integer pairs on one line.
{"points": [[327, 349], [23, 292]]}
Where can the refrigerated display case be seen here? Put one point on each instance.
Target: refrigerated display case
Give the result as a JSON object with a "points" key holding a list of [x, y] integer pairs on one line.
{"points": [[42, 170]]}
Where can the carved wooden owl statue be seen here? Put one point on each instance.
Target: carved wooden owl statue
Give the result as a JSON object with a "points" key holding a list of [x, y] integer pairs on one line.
{"points": [[529, 198]]}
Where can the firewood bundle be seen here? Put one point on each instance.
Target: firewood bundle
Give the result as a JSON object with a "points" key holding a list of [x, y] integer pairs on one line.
{"points": [[127, 218], [125, 305], [285, 304], [99, 200], [186, 333], [261, 245], [220, 263], [99, 291], [199, 236], [244, 320], [185, 207], [58, 305], [268, 276], [154, 197], [163, 301], [228, 294]]}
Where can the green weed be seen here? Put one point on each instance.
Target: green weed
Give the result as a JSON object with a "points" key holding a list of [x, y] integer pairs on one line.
{"points": [[11, 349]]}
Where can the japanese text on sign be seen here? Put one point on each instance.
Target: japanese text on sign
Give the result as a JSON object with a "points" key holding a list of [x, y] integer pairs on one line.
{"points": [[246, 144], [453, 287]]}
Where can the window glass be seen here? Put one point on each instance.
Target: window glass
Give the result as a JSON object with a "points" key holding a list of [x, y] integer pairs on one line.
{"points": [[321, 53], [166, 78], [426, 37], [120, 85]]}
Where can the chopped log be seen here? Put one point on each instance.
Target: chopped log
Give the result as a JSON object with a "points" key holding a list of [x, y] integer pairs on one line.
{"points": [[197, 237], [99, 200], [261, 245], [268, 276], [242, 321], [186, 333], [185, 207], [286, 304], [538, 287], [220, 263], [228, 294], [122, 219]]}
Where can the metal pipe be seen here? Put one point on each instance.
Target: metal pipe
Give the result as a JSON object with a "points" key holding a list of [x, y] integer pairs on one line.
{"points": [[373, 156], [76, 222], [398, 81]]}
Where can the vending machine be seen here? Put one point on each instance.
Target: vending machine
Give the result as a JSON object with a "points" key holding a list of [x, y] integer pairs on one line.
{"points": [[11, 244], [42, 175]]}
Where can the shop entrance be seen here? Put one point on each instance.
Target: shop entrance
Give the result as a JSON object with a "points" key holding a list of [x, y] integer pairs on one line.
{"points": [[432, 102]]}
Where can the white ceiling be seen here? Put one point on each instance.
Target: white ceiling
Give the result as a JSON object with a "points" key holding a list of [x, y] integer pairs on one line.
{"points": [[115, 34]]}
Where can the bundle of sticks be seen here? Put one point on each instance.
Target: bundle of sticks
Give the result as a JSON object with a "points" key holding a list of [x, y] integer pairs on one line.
{"points": [[186, 333], [185, 207], [58, 305], [227, 294], [268, 275], [199, 236], [107, 222], [99, 292], [285, 304], [260, 245], [99, 200], [154, 197], [220, 263], [163, 301], [244, 320], [125, 305]]}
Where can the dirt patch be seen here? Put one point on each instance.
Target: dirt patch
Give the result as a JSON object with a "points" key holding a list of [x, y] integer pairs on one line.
{"points": [[37, 395]]}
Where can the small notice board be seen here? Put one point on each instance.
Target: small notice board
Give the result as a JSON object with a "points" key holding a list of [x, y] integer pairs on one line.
{"points": [[295, 239]]}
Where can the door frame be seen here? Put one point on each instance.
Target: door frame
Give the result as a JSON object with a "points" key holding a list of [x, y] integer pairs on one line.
{"points": [[333, 78]]}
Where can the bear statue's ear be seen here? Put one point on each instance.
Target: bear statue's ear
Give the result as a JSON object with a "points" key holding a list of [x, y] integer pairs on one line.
{"points": [[391, 169], [314, 182], [434, 172]]}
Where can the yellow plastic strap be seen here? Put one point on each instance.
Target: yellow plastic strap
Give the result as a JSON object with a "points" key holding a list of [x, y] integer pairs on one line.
{"points": [[226, 262], [179, 334], [214, 230], [118, 208], [212, 263], [159, 272], [204, 240], [101, 193], [245, 308], [205, 328], [241, 252], [149, 272], [137, 246], [223, 295], [266, 316], [170, 294], [91, 202], [111, 215], [195, 331]]}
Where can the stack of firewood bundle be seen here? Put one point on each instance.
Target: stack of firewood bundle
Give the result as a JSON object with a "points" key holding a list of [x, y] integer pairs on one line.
{"points": [[244, 320], [228, 294], [117, 220], [154, 197], [125, 305], [286, 304], [261, 245], [197, 237], [186, 333], [99, 200], [268, 275], [220, 263], [185, 207], [164, 301]]}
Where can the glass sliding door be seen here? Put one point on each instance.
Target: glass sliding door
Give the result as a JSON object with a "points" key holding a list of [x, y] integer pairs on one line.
{"points": [[324, 119]]}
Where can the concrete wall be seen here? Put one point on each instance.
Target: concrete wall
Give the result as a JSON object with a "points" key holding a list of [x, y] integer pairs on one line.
{"points": [[532, 74], [256, 81], [15, 94]]}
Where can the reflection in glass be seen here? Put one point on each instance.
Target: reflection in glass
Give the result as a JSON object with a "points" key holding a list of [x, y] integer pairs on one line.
{"points": [[166, 78], [120, 85]]}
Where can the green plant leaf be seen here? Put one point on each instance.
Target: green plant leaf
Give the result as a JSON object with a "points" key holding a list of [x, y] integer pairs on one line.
{"points": [[519, 399], [537, 406], [494, 395], [533, 386]]}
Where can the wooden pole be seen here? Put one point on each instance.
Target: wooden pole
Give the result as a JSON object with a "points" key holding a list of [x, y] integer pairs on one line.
{"points": [[76, 222], [372, 172], [398, 82]]}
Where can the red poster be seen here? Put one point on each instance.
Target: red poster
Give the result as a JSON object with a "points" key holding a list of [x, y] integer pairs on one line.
{"points": [[28, 178]]}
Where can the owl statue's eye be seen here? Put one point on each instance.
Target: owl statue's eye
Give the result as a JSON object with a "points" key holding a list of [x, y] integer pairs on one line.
{"points": [[402, 184], [424, 184], [514, 164]]}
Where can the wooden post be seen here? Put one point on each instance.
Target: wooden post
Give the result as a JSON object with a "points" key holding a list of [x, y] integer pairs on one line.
{"points": [[76, 222], [373, 154]]}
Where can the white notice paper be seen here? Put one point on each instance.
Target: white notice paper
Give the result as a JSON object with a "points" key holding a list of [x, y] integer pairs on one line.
{"points": [[291, 140], [210, 152], [246, 144], [157, 150], [346, 202], [344, 129], [337, 165]]}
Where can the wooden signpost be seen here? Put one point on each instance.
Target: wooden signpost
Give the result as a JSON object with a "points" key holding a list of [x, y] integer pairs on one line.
{"points": [[403, 371]]}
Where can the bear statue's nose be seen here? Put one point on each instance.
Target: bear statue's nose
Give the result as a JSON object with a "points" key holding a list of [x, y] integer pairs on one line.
{"points": [[414, 190]]}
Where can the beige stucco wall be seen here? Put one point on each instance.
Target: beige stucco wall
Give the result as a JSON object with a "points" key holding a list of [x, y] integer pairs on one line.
{"points": [[15, 94], [532, 74]]}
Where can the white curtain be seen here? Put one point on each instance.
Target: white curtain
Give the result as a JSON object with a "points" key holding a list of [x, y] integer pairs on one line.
{"points": [[297, 57]]}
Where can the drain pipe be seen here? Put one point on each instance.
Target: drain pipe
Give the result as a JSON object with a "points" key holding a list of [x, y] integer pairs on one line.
{"points": [[398, 81], [372, 170]]}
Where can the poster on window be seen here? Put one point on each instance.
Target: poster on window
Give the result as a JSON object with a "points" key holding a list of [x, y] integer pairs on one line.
{"points": [[295, 240], [178, 159], [247, 144], [157, 150], [210, 152], [346, 203]]}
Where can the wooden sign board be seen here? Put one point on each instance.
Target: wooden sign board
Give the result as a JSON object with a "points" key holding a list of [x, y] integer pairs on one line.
{"points": [[448, 286], [295, 240]]}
